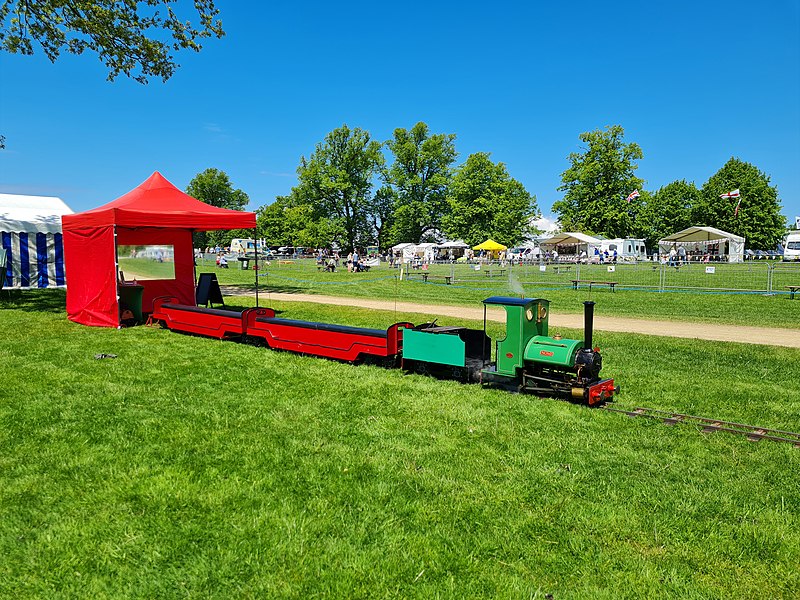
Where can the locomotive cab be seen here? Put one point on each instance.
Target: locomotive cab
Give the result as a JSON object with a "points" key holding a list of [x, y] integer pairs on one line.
{"points": [[526, 318], [530, 360]]}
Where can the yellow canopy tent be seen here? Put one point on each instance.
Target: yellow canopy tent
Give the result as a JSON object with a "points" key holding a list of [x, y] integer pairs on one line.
{"points": [[490, 246]]}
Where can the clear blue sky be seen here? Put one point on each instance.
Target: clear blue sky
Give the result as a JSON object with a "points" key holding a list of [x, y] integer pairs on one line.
{"points": [[693, 83]]}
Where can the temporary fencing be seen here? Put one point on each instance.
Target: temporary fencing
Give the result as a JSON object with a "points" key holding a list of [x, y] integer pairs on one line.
{"points": [[763, 277]]}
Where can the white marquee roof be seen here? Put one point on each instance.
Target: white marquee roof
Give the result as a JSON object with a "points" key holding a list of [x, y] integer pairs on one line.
{"points": [[701, 234], [569, 237], [31, 214]]}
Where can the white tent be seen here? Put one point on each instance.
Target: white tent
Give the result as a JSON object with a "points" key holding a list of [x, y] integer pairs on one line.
{"points": [[30, 232], [694, 238], [405, 251], [455, 244], [580, 241]]}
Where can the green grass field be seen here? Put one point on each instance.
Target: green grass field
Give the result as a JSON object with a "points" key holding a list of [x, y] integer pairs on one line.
{"points": [[471, 287], [188, 467]]}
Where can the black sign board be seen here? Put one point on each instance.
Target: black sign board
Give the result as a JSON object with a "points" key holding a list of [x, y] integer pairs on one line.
{"points": [[208, 290]]}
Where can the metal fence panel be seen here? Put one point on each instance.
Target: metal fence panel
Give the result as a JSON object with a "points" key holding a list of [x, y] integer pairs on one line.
{"points": [[751, 276]]}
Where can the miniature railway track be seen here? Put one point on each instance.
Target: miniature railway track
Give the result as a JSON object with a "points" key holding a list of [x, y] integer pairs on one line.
{"points": [[751, 432]]}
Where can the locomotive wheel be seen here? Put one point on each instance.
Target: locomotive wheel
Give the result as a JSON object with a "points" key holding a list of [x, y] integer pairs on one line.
{"points": [[421, 368], [459, 374]]}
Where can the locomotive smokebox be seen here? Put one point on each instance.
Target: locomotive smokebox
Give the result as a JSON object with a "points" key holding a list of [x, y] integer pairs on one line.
{"points": [[588, 324]]}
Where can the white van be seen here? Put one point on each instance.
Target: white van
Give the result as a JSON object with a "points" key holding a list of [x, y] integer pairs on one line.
{"points": [[241, 246], [791, 250]]}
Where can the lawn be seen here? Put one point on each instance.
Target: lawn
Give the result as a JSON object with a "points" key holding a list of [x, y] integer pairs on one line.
{"points": [[191, 467], [472, 286]]}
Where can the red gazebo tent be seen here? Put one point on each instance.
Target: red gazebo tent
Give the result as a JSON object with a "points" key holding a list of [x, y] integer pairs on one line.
{"points": [[154, 213]]}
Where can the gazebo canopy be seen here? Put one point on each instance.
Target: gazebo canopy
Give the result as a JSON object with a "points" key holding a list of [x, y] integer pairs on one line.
{"points": [[158, 203], [490, 246]]}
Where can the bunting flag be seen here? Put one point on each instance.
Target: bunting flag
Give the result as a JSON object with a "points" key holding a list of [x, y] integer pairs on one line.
{"points": [[733, 194], [636, 194]]}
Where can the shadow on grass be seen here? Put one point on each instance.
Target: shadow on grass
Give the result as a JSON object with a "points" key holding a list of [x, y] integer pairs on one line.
{"points": [[47, 300], [264, 289]]}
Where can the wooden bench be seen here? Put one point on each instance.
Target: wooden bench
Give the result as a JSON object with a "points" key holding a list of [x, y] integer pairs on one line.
{"points": [[491, 272], [575, 282], [448, 279], [792, 290]]}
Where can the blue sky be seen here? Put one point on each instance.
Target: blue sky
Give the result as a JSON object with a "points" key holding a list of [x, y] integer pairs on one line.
{"points": [[693, 83]]}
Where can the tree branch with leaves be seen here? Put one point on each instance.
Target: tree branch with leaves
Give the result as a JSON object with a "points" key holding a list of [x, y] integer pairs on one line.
{"points": [[131, 37]]}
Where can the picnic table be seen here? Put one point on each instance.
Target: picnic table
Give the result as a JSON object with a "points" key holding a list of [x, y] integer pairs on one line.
{"points": [[576, 282], [489, 272], [792, 290], [448, 279]]}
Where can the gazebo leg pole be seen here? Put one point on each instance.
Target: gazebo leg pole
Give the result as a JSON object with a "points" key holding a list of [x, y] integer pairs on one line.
{"points": [[255, 237]]}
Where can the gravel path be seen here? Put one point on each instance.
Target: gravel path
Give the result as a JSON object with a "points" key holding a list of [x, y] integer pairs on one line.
{"points": [[789, 338]]}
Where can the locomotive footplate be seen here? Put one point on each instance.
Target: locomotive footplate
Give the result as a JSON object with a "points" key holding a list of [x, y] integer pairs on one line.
{"points": [[490, 376]]}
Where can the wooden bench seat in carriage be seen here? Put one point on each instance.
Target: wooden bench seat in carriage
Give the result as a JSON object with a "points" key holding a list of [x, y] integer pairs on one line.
{"points": [[339, 342], [210, 322]]}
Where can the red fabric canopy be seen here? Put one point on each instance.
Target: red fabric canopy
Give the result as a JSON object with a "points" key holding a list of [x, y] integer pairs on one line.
{"points": [[158, 203], [156, 212]]}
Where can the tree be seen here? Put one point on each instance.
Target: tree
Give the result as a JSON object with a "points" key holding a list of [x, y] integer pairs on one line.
{"points": [[597, 184], [486, 202], [667, 211], [133, 37], [419, 175], [759, 219], [286, 222], [381, 215], [214, 187], [337, 182]]}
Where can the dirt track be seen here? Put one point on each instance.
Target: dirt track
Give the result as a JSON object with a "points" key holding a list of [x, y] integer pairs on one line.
{"points": [[789, 338]]}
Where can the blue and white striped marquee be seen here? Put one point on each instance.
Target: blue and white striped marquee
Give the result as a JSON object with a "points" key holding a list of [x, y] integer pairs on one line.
{"points": [[30, 233]]}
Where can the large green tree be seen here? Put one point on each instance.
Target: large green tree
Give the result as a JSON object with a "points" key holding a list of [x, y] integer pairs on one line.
{"points": [[419, 176], [486, 202], [214, 187], [337, 180], [132, 37], [597, 183], [381, 215], [288, 222], [759, 217], [667, 211]]}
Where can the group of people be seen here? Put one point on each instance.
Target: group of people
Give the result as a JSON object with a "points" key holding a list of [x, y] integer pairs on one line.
{"points": [[355, 263], [328, 262], [678, 256]]}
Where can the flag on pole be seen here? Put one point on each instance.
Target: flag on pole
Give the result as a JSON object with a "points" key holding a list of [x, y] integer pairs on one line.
{"points": [[733, 194], [634, 194], [736, 210]]}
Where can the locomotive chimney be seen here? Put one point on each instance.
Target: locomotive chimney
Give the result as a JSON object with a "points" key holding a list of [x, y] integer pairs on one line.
{"points": [[588, 324]]}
